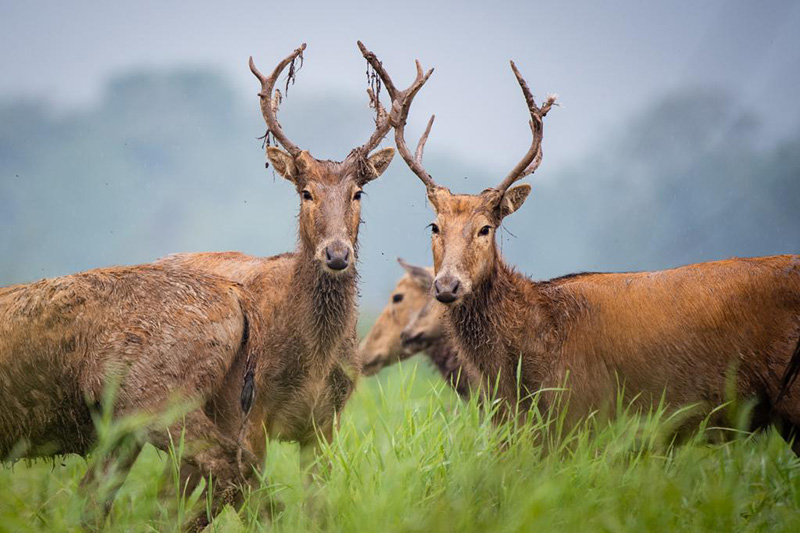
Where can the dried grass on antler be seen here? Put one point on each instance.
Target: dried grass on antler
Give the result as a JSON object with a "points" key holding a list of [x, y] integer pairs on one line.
{"points": [[401, 103], [270, 101]]}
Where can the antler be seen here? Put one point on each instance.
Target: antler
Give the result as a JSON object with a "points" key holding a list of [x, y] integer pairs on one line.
{"points": [[270, 102], [401, 103], [531, 161]]}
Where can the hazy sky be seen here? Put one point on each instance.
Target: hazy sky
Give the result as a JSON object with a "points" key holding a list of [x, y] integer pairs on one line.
{"points": [[606, 60]]}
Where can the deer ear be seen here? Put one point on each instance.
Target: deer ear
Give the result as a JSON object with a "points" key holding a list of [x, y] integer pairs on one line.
{"points": [[282, 162], [513, 199], [421, 275], [379, 161]]}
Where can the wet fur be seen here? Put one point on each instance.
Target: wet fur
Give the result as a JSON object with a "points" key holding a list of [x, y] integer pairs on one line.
{"points": [[308, 363], [161, 336], [678, 331]]}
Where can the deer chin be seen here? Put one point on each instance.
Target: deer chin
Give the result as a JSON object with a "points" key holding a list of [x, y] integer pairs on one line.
{"points": [[370, 368], [417, 343]]}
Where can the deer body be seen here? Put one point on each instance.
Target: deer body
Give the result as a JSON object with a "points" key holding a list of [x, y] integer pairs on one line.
{"points": [[156, 336], [681, 332], [310, 364]]}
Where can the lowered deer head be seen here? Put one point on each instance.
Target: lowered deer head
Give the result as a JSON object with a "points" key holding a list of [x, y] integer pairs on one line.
{"points": [[330, 191], [384, 344], [463, 233]]}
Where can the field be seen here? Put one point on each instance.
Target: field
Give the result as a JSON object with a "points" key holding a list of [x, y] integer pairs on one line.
{"points": [[412, 457]]}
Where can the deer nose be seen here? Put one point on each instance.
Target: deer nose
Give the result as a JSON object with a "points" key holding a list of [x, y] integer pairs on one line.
{"points": [[337, 256], [446, 289]]}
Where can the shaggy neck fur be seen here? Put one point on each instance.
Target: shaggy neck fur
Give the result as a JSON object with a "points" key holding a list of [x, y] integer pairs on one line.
{"points": [[323, 305], [507, 320]]}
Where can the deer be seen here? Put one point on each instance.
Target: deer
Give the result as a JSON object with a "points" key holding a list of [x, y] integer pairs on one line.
{"points": [[411, 323], [677, 334], [307, 297], [256, 347], [160, 338]]}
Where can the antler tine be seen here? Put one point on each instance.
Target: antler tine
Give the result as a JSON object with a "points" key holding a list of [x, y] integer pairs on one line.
{"points": [[382, 121], [399, 115], [533, 158], [423, 140], [377, 66], [269, 103], [401, 103]]}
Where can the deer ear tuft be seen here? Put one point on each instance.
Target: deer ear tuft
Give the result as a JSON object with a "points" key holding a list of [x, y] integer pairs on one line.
{"points": [[282, 162], [513, 199]]}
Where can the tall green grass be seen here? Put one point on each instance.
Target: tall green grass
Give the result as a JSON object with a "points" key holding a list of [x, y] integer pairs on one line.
{"points": [[410, 456]]}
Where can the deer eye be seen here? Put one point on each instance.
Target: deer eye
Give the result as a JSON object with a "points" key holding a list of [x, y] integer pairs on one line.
{"points": [[397, 298], [484, 231], [307, 195], [357, 195], [434, 228]]}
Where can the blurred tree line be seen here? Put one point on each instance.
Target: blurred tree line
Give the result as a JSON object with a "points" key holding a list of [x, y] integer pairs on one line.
{"points": [[169, 161]]}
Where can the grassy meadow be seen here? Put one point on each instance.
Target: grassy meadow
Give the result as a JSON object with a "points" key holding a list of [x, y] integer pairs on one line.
{"points": [[411, 456]]}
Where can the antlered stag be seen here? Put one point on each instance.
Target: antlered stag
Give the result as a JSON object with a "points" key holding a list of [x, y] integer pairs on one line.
{"points": [[411, 323], [308, 297], [681, 332]]}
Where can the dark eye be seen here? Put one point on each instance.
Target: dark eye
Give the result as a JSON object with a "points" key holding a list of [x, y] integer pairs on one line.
{"points": [[397, 298], [307, 195], [357, 195], [434, 229], [485, 230]]}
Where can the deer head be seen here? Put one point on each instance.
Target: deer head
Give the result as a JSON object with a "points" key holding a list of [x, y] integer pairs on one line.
{"points": [[425, 328], [384, 345], [463, 233], [330, 191]]}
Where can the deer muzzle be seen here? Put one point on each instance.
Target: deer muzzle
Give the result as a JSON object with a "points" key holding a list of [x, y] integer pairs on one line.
{"points": [[446, 288], [338, 255]]}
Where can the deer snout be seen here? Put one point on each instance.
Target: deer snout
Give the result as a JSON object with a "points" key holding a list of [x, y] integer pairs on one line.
{"points": [[337, 256], [445, 289], [408, 336]]}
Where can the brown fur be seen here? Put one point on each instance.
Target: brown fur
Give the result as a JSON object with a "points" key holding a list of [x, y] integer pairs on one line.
{"points": [[678, 332], [161, 336]]}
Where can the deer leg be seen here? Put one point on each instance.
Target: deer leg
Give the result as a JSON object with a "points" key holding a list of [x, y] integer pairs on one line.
{"points": [[111, 472], [209, 453]]}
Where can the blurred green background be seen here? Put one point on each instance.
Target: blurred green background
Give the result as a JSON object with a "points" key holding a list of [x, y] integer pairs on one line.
{"points": [[127, 133]]}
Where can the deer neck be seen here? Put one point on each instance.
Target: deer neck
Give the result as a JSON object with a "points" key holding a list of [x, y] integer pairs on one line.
{"points": [[495, 322], [323, 305]]}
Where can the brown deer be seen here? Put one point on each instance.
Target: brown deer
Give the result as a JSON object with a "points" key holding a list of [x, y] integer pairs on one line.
{"points": [[678, 332], [307, 298], [409, 324], [159, 336]]}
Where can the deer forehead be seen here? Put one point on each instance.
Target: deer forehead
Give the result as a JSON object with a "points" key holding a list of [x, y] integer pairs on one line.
{"points": [[332, 189], [464, 219], [329, 173], [448, 204]]}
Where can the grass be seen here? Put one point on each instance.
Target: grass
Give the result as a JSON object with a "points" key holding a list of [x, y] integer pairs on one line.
{"points": [[411, 456]]}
